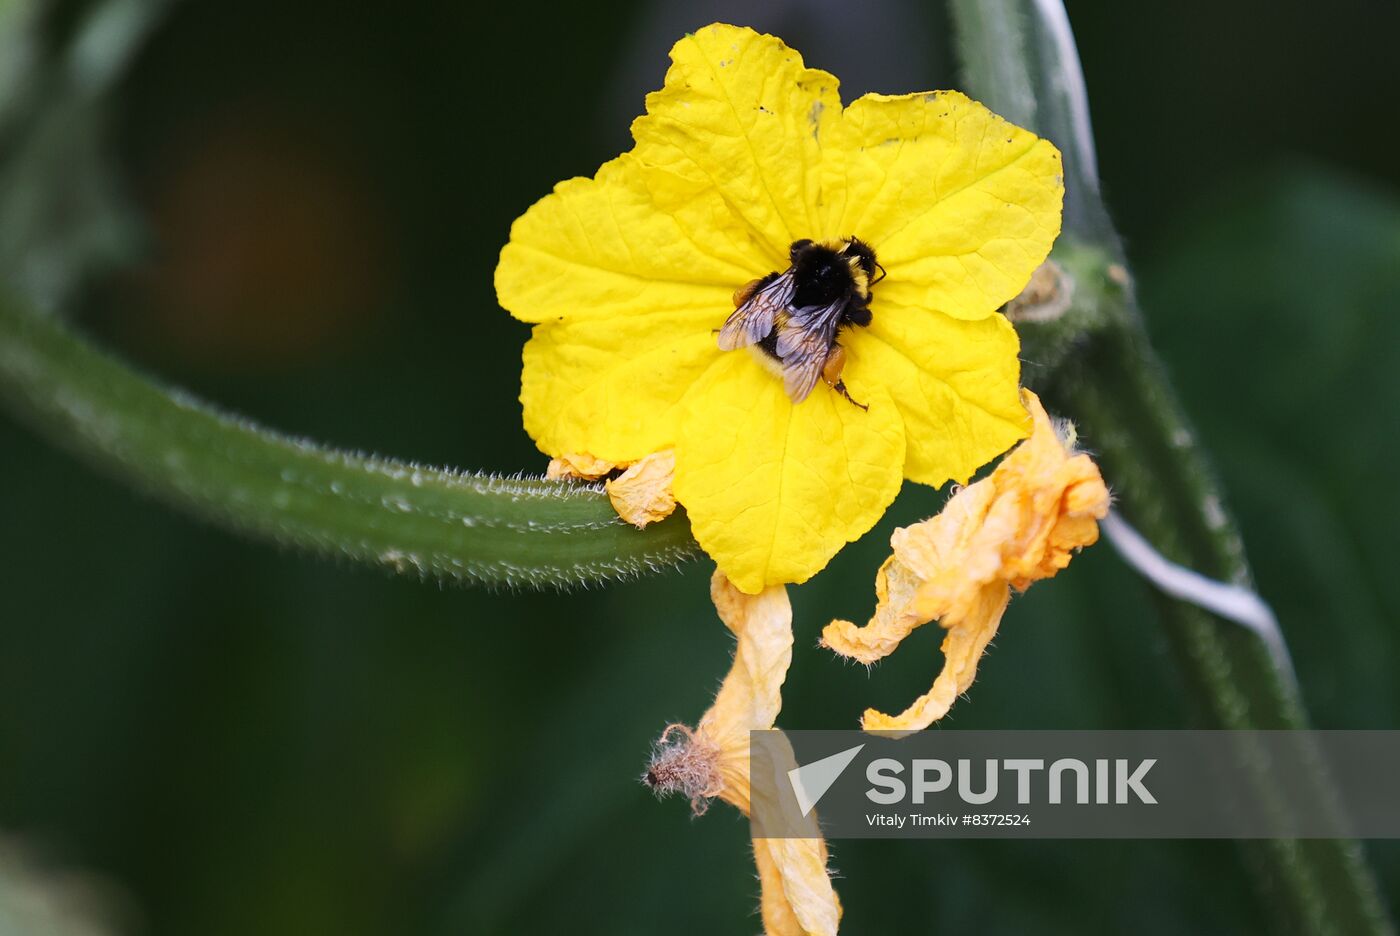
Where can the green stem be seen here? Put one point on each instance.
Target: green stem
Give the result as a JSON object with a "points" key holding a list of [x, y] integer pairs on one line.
{"points": [[1019, 58], [1116, 390], [407, 518]]}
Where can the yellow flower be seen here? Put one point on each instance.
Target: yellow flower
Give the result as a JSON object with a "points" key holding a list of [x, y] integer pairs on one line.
{"points": [[628, 275], [712, 760], [1017, 526]]}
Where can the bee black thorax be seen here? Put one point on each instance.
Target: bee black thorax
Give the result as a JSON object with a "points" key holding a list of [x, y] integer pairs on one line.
{"points": [[827, 272]]}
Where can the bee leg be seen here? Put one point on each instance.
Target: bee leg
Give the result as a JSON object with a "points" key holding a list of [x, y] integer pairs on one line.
{"points": [[745, 292], [831, 373], [840, 387]]}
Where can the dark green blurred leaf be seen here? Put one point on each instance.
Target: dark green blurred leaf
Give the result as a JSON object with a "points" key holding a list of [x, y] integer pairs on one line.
{"points": [[1279, 300]]}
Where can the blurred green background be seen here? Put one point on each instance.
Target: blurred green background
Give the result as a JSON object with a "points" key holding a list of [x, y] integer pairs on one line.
{"points": [[239, 740]]}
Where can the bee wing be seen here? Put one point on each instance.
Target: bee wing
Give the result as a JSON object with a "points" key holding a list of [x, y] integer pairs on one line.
{"points": [[804, 342], [751, 322]]}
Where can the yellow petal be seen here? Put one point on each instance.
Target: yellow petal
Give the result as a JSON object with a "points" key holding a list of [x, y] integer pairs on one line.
{"points": [[797, 894], [955, 383], [574, 466], [778, 916], [751, 695], [731, 143], [599, 249], [960, 205], [773, 489], [643, 493], [962, 649], [896, 617], [613, 387], [931, 574], [934, 573], [798, 898], [1061, 499], [1018, 525], [713, 759]]}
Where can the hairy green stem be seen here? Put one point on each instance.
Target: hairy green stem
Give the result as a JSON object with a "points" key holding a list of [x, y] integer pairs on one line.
{"points": [[61, 210], [407, 518], [1127, 413], [1019, 57]]}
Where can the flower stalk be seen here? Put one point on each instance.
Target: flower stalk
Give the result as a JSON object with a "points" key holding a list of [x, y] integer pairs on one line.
{"points": [[1127, 411], [411, 519], [1019, 56]]}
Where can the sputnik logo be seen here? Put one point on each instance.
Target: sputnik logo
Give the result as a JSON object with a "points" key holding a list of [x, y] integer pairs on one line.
{"points": [[811, 781]]}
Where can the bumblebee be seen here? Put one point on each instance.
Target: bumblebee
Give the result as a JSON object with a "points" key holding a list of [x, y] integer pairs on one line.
{"points": [[792, 320]]}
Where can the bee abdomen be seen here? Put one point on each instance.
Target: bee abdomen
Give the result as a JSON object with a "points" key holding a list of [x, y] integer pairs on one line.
{"points": [[769, 345]]}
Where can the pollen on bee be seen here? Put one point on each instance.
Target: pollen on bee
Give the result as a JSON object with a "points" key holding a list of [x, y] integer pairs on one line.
{"points": [[745, 292], [835, 364]]}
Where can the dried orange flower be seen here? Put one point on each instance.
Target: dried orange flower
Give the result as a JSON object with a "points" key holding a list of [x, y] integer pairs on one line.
{"points": [[1017, 526], [642, 494], [578, 467], [712, 760]]}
